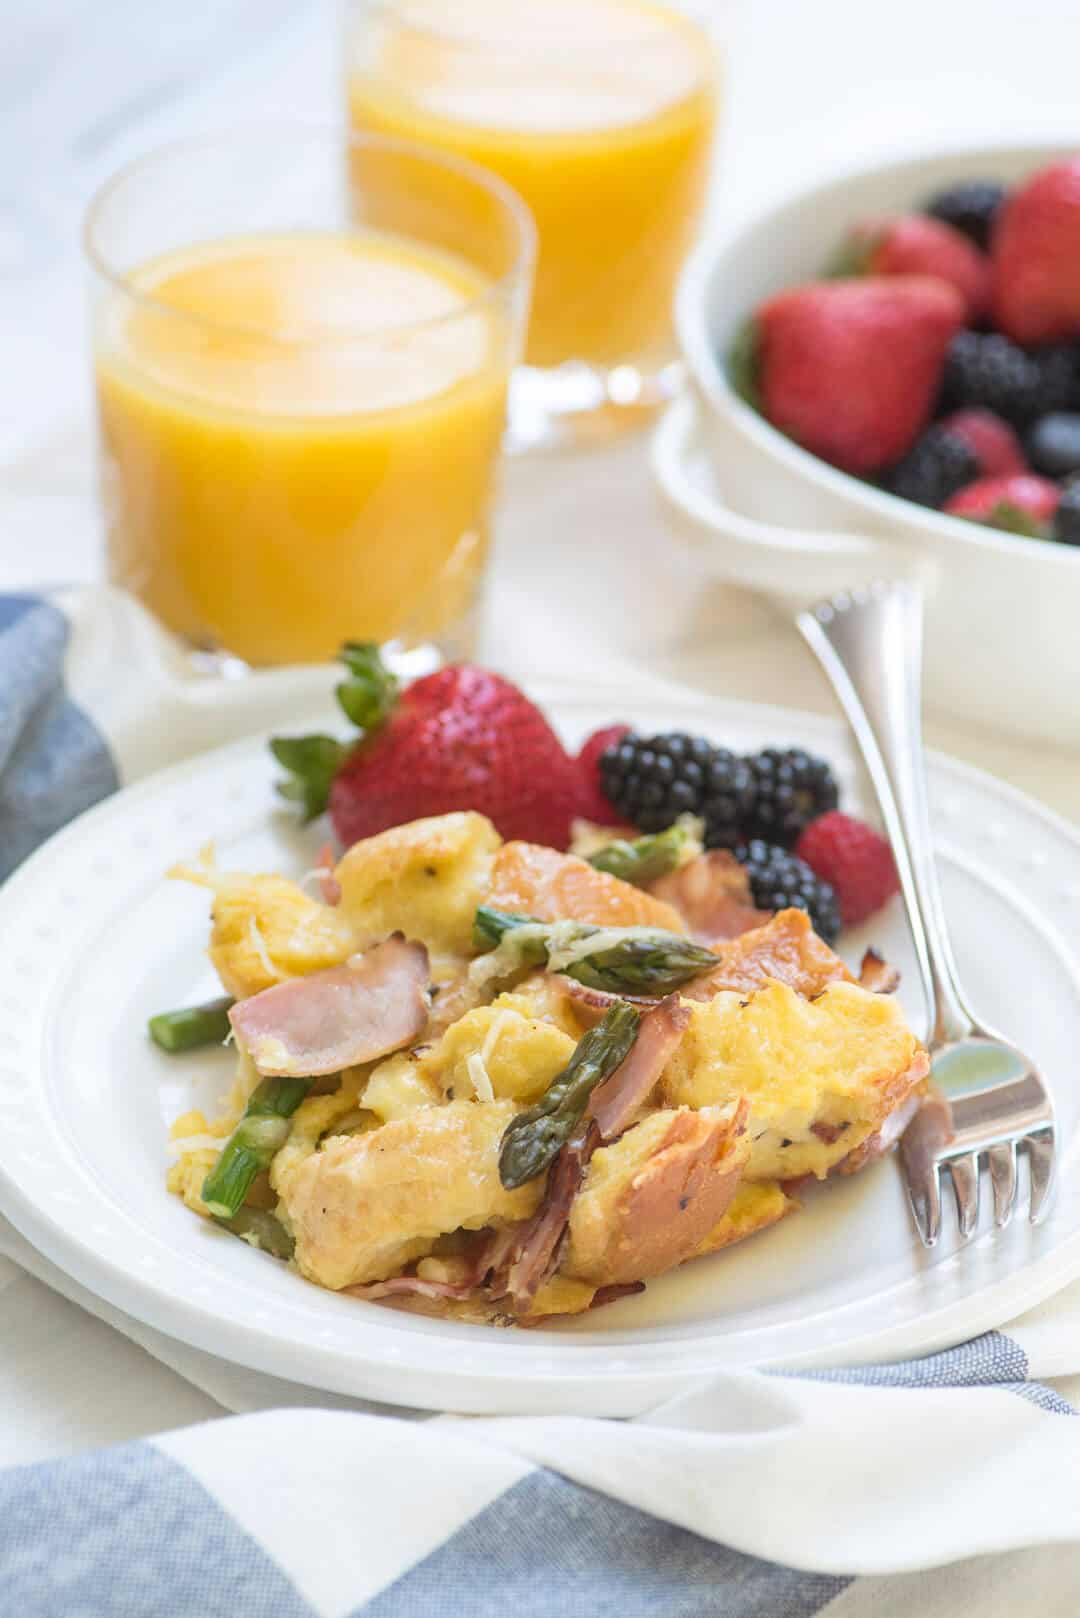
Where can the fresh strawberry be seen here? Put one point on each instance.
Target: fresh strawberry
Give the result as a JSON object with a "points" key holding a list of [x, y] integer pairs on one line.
{"points": [[913, 244], [854, 859], [463, 738], [992, 441], [1036, 257], [1021, 504], [594, 805], [850, 368]]}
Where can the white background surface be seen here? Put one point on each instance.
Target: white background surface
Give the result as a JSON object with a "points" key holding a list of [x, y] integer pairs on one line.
{"points": [[586, 580]]}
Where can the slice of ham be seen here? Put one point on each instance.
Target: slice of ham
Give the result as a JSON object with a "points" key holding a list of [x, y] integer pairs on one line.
{"points": [[370, 1006], [489, 1250], [712, 894], [536, 1250], [876, 975], [406, 1286], [592, 1005], [614, 1103], [612, 1294]]}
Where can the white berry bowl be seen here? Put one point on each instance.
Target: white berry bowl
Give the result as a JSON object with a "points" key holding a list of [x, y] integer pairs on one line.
{"points": [[1003, 611]]}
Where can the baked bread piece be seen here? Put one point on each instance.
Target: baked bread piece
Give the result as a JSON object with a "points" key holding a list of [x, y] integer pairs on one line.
{"points": [[541, 882], [819, 1076], [785, 949], [651, 1199], [367, 1205]]}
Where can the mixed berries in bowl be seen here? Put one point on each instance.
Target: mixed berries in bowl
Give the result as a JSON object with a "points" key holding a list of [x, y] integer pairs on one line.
{"points": [[937, 355], [764, 831]]}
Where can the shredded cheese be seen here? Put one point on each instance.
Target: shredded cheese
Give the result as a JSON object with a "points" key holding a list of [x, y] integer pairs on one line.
{"points": [[258, 944], [562, 954], [481, 1079], [491, 1039], [204, 873], [505, 958]]}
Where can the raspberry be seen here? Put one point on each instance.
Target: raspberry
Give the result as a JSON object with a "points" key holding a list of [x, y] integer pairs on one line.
{"points": [[992, 441], [595, 805], [855, 861], [1021, 504]]}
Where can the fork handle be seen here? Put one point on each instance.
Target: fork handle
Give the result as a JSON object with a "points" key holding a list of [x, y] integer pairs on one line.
{"points": [[869, 642]]}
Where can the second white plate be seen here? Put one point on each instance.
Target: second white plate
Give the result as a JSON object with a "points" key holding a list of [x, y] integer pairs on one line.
{"points": [[96, 940]]}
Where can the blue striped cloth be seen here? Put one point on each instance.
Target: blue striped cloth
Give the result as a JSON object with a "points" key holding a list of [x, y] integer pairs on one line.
{"points": [[756, 1496]]}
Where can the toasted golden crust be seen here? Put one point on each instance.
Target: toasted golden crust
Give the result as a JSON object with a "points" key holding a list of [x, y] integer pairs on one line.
{"points": [[650, 1200], [424, 879], [367, 1205], [820, 1076], [541, 882], [785, 950]]}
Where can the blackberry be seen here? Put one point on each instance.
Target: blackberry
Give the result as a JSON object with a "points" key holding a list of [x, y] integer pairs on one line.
{"points": [[1067, 517], [985, 369], [791, 788], [1053, 444], [652, 780], [937, 466], [989, 371], [779, 880], [970, 206], [1059, 377]]}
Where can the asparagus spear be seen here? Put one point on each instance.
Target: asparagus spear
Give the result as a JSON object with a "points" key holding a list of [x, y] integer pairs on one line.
{"points": [[187, 1029], [645, 858], [627, 960], [263, 1230], [261, 1132], [491, 926], [533, 1139]]}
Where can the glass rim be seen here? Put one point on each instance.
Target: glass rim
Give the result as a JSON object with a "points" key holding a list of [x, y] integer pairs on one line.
{"points": [[501, 289], [693, 11]]}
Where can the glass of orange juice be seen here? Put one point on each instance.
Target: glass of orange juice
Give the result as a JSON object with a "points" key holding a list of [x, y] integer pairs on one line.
{"points": [[302, 343], [601, 115]]}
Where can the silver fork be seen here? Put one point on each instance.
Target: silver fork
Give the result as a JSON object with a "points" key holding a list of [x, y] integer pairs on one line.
{"points": [[987, 1098]]}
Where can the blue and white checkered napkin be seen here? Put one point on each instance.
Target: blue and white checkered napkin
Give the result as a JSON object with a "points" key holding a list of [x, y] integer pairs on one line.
{"points": [[756, 1496]]}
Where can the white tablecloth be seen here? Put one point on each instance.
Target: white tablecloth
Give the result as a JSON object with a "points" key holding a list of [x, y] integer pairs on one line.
{"points": [[586, 580]]}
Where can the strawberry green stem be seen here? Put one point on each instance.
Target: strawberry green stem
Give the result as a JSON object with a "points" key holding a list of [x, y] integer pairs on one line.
{"points": [[367, 698]]}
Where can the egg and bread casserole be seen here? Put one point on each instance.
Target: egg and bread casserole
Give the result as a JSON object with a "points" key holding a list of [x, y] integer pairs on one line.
{"points": [[497, 1081]]}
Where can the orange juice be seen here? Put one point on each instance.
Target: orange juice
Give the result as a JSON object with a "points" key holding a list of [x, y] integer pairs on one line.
{"points": [[599, 113], [299, 435]]}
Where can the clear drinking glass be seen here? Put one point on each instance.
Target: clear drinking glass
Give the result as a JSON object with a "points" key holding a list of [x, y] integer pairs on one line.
{"points": [[601, 115], [302, 343]]}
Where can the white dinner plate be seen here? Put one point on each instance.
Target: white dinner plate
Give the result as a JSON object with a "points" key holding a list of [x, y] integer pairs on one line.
{"points": [[95, 939]]}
